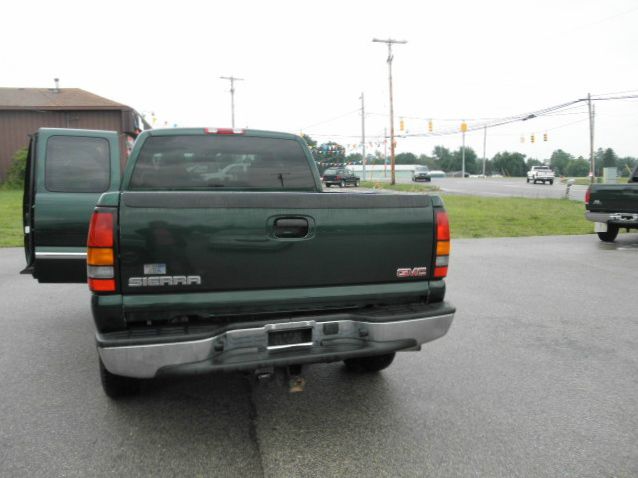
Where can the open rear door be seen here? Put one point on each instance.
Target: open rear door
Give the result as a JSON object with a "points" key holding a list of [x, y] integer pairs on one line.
{"points": [[67, 171], [27, 208]]}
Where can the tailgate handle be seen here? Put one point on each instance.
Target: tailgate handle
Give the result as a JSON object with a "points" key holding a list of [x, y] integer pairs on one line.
{"points": [[291, 227]]}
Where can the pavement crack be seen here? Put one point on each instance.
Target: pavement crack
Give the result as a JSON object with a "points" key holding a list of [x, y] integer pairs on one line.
{"points": [[252, 427]]}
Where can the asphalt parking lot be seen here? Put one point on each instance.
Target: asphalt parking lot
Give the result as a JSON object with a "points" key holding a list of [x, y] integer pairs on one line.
{"points": [[494, 187], [537, 377]]}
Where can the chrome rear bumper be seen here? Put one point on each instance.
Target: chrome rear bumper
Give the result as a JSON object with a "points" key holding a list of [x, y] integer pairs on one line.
{"points": [[248, 349], [619, 218]]}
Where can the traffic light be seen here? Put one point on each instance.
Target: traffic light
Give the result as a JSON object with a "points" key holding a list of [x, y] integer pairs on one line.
{"points": [[463, 127], [532, 139], [402, 125], [430, 126], [544, 136]]}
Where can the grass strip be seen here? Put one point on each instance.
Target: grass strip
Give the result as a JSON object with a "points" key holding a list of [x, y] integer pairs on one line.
{"points": [[406, 188], [470, 216], [10, 218], [474, 216]]}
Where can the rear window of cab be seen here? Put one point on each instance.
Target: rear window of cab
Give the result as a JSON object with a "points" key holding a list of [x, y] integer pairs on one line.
{"points": [[193, 162]]}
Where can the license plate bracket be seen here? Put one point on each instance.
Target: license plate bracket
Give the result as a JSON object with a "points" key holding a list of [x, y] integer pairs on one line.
{"points": [[278, 339]]}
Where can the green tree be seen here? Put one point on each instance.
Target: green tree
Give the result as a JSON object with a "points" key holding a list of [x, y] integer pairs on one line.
{"points": [[309, 141], [509, 164], [312, 145], [405, 158], [15, 174], [443, 157], [427, 161], [354, 158], [331, 152], [578, 167], [456, 163], [533, 162], [559, 161], [610, 159], [626, 165]]}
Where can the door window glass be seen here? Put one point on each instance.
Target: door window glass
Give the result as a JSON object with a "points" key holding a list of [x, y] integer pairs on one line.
{"points": [[77, 164]]}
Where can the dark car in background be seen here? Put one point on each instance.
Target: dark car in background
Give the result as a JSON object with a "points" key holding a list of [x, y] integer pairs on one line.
{"points": [[421, 173], [341, 177]]}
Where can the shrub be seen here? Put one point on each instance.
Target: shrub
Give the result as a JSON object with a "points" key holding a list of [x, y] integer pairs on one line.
{"points": [[15, 175]]}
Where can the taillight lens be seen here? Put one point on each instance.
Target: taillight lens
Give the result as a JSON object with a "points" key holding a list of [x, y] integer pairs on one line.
{"points": [[101, 230], [442, 245], [100, 257], [587, 195]]}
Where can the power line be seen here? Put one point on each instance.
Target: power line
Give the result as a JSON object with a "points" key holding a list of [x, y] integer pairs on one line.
{"points": [[331, 119]]}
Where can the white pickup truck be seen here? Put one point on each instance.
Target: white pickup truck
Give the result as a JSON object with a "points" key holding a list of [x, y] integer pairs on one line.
{"points": [[540, 174]]}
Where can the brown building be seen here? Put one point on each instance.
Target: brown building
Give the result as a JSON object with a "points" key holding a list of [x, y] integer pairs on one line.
{"points": [[24, 110]]}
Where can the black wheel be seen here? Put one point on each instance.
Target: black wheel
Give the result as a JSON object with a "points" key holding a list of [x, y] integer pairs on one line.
{"points": [[116, 386], [356, 184], [428, 180], [610, 235], [342, 184], [327, 185], [369, 364], [527, 180], [551, 183]]}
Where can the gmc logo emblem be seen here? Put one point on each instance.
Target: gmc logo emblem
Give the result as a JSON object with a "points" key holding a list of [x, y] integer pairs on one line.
{"points": [[402, 273]]}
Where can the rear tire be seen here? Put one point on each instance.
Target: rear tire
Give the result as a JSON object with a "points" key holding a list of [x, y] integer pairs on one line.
{"points": [[527, 180], [328, 185], [342, 184], [369, 364], [610, 235], [551, 183], [116, 386], [356, 184]]}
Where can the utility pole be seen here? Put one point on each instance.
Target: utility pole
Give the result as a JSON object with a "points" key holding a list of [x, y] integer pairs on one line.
{"points": [[463, 131], [363, 136], [385, 152], [592, 159], [232, 80], [484, 143], [463, 157], [390, 42]]}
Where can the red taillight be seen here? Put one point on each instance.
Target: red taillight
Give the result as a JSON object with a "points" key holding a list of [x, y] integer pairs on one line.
{"points": [[102, 285], [338, 178], [587, 195], [223, 131], [442, 226], [101, 230], [442, 249], [100, 254]]}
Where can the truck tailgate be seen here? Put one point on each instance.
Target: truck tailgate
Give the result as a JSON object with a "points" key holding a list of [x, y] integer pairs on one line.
{"points": [[256, 240], [614, 198]]}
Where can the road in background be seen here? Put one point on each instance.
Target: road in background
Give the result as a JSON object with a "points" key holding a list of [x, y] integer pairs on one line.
{"points": [[537, 377], [507, 187]]}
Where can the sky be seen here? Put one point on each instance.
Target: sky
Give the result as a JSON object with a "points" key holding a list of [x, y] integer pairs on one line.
{"points": [[305, 65]]}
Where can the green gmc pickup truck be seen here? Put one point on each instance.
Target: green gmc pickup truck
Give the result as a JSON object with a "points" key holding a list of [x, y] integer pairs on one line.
{"points": [[612, 207], [217, 250]]}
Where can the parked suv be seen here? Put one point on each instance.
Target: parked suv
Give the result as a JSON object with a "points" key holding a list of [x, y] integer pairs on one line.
{"points": [[421, 173], [340, 176]]}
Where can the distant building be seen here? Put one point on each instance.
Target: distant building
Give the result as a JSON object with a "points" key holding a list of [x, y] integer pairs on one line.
{"points": [[24, 110]]}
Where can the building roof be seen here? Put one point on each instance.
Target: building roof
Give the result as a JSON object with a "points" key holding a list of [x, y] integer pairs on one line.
{"points": [[52, 99]]}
